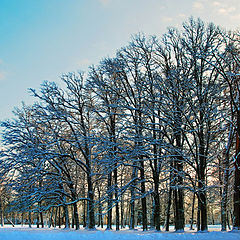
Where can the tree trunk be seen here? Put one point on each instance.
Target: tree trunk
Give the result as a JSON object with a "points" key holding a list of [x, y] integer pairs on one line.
{"points": [[41, 219], [84, 214], [109, 202], [193, 206], [100, 217], [236, 195], [228, 222], [122, 214], [179, 207], [224, 191], [198, 216], [76, 218], [168, 208], [127, 214], [29, 219], [156, 197], [178, 180], [91, 220], [213, 221], [169, 197], [132, 202], [22, 219], [73, 222], [202, 206], [116, 199], [225, 196], [179, 212], [66, 214], [59, 217], [2, 212], [152, 225], [202, 177], [143, 192], [55, 217], [37, 219], [50, 219], [123, 222], [13, 218]]}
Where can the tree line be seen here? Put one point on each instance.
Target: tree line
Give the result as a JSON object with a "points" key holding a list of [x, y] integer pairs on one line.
{"points": [[144, 138]]}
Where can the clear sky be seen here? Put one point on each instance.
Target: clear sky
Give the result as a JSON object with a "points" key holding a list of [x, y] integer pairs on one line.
{"points": [[41, 39]]}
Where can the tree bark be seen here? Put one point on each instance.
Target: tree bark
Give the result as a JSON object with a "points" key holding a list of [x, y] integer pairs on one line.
{"points": [[41, 218], [66, 214], [168, 208], [178, 179], [169, 197], [84, 214], [122, 213], [202, 206], [76, 218], [236, 195], [193, 206], [198, 215], [29, 219], [143, 192], [2, 212], [37, 219], [50, 219], [132, 202], [109, 202], [100, 217], [59, 217], [116, 199], [202, 175], [73, 221], [55, 217], [225, 193], [91, 220], [21, 219]]}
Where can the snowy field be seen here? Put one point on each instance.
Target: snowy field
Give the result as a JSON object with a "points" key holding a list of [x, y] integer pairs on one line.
{"points": [[24, 233]]}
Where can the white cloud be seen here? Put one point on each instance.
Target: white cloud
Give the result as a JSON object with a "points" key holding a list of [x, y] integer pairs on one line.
{"points": [[221, 7], [105, 2], [167, 19], [235, 17], [226, 11], [84, 62], [198, 5], [2, 75], [222, 11], [182, 15], [216, 3]]}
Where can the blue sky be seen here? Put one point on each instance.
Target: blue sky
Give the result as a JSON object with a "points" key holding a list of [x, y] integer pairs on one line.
{"points": [[41, 39]]}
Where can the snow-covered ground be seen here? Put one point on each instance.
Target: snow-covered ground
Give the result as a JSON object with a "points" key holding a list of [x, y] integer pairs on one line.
{"points": [[24, 233]]}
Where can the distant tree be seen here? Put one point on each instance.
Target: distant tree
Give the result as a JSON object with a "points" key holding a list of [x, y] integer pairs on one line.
{"points": [[200, 41], [73, 107], [35, 171], [104, 83], [228, 65]]}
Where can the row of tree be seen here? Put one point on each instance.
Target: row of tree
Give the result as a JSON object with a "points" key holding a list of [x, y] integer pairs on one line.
{"points": [[142, 137]]}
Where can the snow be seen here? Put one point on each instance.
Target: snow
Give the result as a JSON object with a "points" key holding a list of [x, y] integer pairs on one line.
{"points": [[24, 233]]}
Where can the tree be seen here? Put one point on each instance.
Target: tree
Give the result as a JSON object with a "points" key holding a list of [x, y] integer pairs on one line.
{"points": [[102, 81], [227, 65], [73, 107]]}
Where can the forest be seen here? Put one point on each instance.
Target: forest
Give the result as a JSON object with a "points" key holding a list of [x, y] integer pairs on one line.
{"points": [[149, 137]]}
